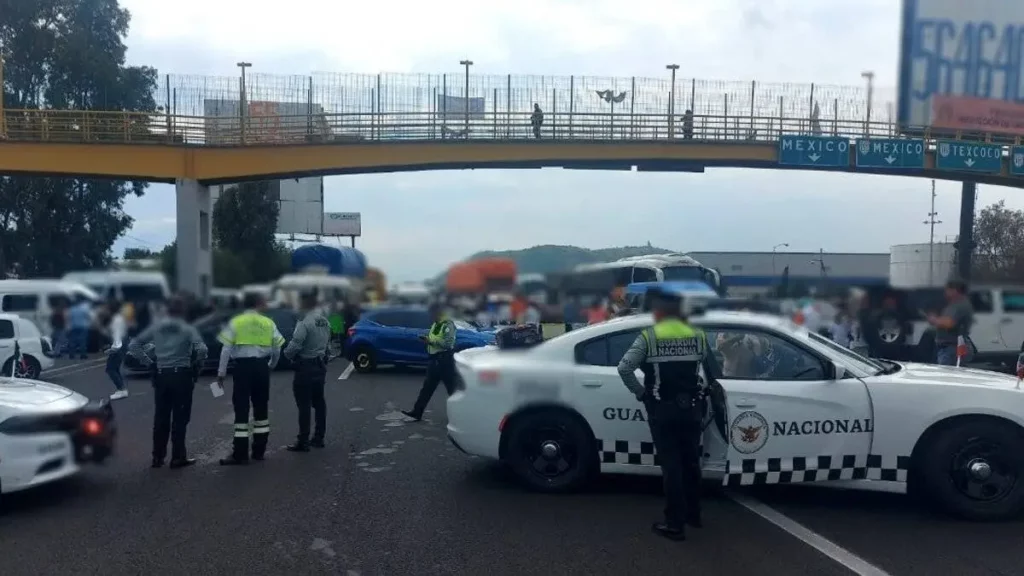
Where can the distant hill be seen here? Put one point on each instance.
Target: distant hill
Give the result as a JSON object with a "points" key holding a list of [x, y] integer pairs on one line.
{"points": [[549, 258]]}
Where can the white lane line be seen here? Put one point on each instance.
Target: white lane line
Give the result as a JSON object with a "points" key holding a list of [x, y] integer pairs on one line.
{"points": [[841, 555], [77, 371], [347, 372], [83, 364]]}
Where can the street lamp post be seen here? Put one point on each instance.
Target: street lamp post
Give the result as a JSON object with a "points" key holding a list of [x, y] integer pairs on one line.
{"points": [[931, 221], [774, 249], [870, 78], [242, 100], [672, 101], [467, 64]]}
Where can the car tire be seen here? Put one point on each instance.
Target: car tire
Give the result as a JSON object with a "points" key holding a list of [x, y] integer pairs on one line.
{"points": [[364, 359], [953, 464], [32, 371], [551, 451]]}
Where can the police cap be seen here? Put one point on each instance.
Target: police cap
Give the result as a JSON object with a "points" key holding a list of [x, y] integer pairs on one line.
{"points": [[309, 298], [664, 301]]}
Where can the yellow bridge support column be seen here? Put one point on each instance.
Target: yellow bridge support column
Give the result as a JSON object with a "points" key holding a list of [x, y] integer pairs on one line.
{"points": [[194, 210]]}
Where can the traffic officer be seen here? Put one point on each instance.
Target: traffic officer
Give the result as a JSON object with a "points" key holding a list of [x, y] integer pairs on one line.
{"points": [[253, 341], [177, 347], [308, 352], [440, 341], [669, 354]]}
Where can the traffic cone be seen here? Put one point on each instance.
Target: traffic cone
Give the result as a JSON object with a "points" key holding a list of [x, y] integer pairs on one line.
{"points": [[961, 349]]}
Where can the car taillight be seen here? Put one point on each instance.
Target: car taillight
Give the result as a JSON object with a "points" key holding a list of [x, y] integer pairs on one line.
{"points": [[488, 376], [92, 426]]}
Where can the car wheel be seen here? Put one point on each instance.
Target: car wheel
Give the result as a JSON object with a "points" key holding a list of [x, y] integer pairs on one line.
{"points": [[976, 470], [28, 368], [364, 359], [550, 451]]}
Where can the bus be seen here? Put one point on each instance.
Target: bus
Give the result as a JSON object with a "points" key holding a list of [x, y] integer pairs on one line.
{"points": [[648, 268]]}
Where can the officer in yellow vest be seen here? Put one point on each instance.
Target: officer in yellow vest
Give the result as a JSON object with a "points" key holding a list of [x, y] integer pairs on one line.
{"points": [[440, 341], [253, 341], [670, 354]]}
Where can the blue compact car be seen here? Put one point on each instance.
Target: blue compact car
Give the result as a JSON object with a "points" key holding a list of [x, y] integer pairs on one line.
{"points": [[391, 335]]}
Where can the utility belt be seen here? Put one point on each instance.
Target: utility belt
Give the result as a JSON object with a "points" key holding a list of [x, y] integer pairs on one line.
{"points": [[175, 370]]}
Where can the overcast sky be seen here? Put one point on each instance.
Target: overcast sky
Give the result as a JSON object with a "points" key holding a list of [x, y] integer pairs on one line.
{"points": [[825, 42]]}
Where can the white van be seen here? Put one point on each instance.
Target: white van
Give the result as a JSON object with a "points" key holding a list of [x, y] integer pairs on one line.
{"points": [[124, 285], [34, 300]]}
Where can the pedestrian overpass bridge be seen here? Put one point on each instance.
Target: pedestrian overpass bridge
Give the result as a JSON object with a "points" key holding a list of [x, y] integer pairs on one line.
{"points": [[205, 131]]}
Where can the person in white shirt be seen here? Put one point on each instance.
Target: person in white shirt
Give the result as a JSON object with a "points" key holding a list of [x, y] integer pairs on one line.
{"points": [[118, 329]]}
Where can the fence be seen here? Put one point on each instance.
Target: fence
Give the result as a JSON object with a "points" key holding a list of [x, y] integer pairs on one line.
{"points": [[272, 109]]}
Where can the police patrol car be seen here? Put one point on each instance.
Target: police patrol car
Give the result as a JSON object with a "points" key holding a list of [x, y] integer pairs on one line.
{"points": [[791, 407]]}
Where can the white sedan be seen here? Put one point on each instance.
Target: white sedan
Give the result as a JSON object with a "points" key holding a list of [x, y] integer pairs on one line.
{"points": [[47, 431], [792, 407]]}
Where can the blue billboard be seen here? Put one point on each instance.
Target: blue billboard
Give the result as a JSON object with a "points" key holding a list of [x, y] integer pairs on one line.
{"points": [[960, 66]]}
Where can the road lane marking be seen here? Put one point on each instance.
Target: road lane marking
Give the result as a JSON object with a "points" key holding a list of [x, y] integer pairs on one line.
{"points": [[347, 372], [83, 364], [837, 553], [69, 372]]}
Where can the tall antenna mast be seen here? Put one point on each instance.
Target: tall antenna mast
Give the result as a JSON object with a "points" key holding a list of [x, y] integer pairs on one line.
{"points": [[931, 222]]}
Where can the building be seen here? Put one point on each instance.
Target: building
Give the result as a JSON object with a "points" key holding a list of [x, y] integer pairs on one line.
{"points": [[758, 272]]}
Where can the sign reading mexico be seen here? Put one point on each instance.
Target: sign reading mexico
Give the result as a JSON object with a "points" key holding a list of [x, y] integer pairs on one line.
{"points": [[961, 64], [343, 224]]}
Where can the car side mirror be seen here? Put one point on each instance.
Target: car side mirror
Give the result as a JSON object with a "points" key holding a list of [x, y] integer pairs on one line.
{"points": [[835, 371]]}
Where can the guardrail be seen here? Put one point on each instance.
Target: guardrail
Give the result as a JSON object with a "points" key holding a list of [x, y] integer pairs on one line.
{"points": [[71, 126]]}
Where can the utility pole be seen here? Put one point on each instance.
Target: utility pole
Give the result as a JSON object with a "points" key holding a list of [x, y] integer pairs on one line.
{"points": [[870, 77], [467, 63], [931, 221], [242, 103], [672, 101]]}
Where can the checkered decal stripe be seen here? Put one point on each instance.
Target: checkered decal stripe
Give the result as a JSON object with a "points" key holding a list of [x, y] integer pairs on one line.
{"points": [[750, 472], [623, 452]]}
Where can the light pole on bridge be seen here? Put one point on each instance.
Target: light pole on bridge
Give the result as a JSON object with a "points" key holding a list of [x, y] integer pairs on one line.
{"points": [[774, 250], [672, 101], [869, 76], [467, 63], [242, 104]]}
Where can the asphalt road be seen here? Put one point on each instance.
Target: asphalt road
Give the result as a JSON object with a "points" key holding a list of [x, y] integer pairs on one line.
{"points": [[389, 497]]}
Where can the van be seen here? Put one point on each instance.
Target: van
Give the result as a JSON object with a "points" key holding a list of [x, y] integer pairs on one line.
{"points": [[124, 285], [35, 300]]}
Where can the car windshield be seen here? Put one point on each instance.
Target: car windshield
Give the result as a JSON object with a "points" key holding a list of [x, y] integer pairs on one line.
{"points": [[682, 273], [464, 325], [850, 357]]}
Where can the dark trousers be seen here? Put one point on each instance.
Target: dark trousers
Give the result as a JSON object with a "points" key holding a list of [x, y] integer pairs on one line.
{"points": [[250, 384], [172, 411], [675, 428], [308, 386], [440, 368]]}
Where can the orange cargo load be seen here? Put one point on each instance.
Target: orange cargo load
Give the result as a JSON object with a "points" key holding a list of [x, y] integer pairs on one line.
{"points": [[496, 269], [463, 278]]}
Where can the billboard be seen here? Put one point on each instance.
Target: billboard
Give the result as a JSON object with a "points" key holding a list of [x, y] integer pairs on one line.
{"points": [[266, 122], [300, 204], [343, 224], [960, 65], [454, 107]]}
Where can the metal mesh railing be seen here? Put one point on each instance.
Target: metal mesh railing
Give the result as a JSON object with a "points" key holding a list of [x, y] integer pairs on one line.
{"points": [[326, 107]]}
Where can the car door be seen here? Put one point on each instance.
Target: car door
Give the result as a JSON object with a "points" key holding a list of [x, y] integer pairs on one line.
{"points": [[1011, 321], [986, 328], [618, 420], [417, 324], [7, 336], [788, 421]]}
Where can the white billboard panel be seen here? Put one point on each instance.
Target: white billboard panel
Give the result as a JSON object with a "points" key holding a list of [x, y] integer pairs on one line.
{"points": [[300, 204], [266, 122], [961, 65], [454, 107], [343, 224]]}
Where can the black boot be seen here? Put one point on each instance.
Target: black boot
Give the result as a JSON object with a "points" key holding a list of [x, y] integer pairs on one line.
{"points": [[413, 415], [666, 531], [317, 443], [182, 462], [298, 447], [232, 461]]}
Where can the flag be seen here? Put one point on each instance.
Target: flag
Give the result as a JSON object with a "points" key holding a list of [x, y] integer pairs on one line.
{"points": [[961, 349]]}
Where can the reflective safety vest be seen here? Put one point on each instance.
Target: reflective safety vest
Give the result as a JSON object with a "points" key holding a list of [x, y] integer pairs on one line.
{"points": [[251, 329], [675, 351], [441, 337]]}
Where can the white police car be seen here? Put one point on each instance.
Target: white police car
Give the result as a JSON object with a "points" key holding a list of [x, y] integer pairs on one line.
{"points": [[792, 407], [47, 431]]}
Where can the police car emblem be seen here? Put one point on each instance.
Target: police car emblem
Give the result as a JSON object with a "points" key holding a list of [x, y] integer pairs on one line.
{"points": [[943, 149], [748, 433], [865, 146]]}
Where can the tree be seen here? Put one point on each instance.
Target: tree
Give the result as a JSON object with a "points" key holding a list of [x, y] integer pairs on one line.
{"points": [[244, 223], [138, 254], [999, 244], [66, 54]]}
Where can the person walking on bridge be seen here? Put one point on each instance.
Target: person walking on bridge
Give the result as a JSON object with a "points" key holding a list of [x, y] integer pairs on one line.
{"points": [[253, 341]]}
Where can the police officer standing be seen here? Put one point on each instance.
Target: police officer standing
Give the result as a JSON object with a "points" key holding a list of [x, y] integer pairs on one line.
{"points": [[177, 346], [252, 340], [669, 354], [308, 351], [440, 340]]}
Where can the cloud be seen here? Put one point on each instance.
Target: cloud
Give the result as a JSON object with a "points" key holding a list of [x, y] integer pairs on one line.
{"points": [[414, 224]]}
